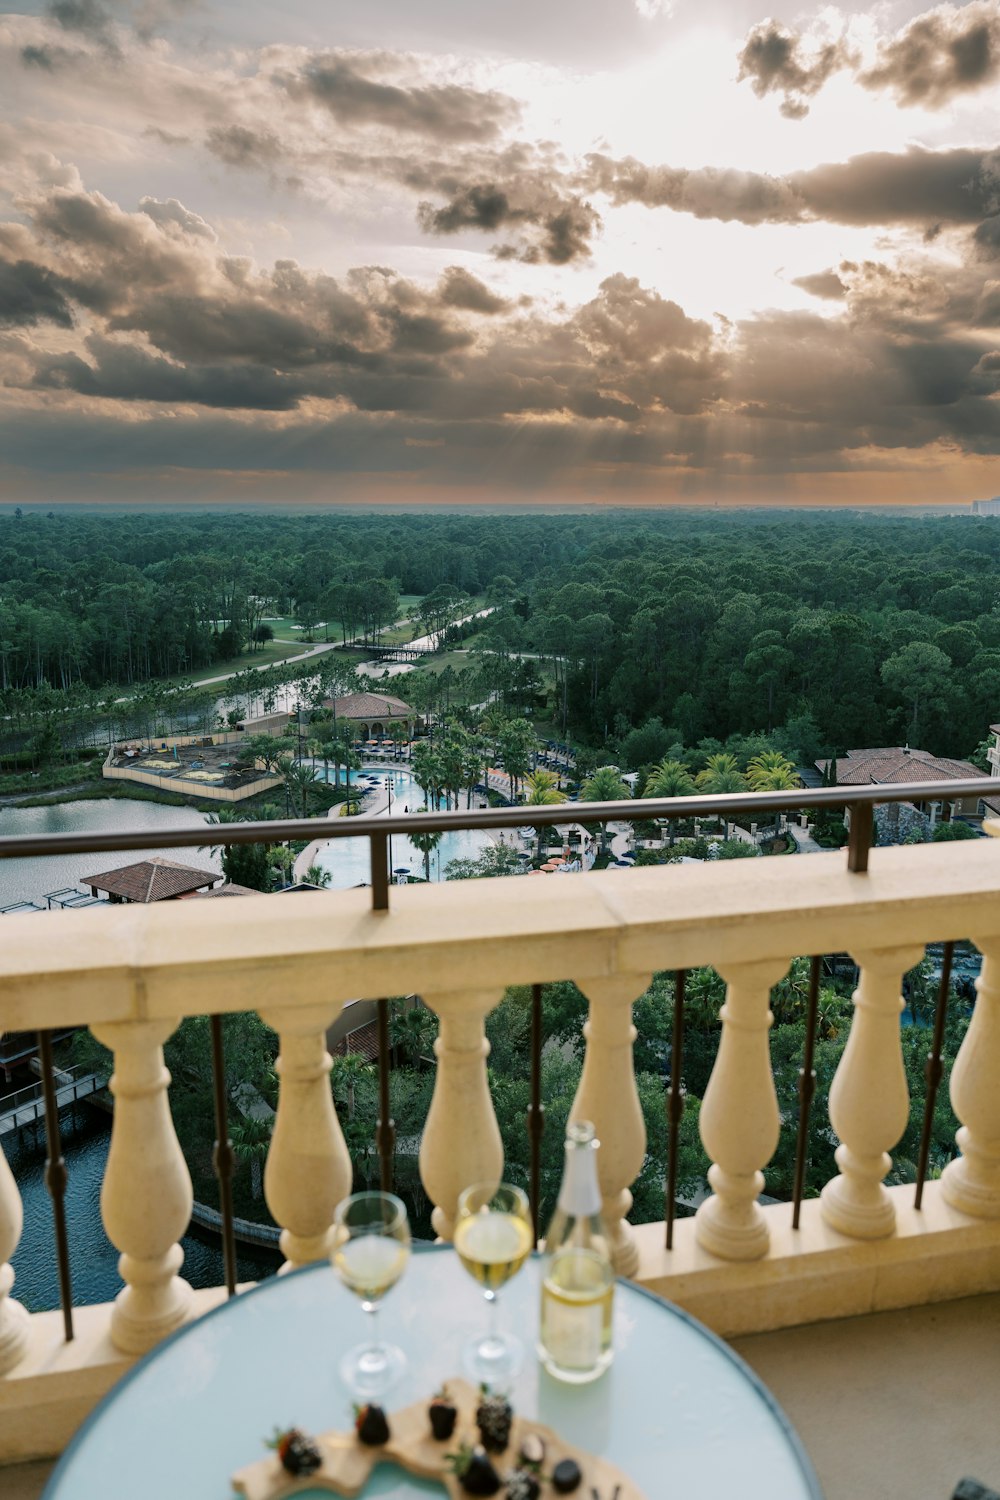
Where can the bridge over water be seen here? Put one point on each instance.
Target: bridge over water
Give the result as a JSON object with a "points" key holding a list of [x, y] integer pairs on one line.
{"points": [[27, 1106]]}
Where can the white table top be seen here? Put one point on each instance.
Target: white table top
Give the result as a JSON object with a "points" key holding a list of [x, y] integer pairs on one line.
{"points": [[677, 1410]]}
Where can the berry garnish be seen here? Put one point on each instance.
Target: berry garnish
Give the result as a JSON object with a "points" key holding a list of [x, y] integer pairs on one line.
{"points": [[371, 1425], [297, 1451], [493, 1418], [522, 1485], [566, 1476], [443, 1414], [532, 1454], [473, 1470]]}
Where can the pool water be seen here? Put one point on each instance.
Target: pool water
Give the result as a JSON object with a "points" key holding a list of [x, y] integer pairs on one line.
{"points": [[349, 860]]}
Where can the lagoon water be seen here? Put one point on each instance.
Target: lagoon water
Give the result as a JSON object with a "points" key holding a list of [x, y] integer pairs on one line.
{"points": [[31, 879], [93, 1259]]}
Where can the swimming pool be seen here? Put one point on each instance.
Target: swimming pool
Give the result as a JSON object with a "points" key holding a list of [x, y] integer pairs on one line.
{"points": [[349, 860]]}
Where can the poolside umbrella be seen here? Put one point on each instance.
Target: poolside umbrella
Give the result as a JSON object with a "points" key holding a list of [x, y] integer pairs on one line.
{"points": [[401, 870]]}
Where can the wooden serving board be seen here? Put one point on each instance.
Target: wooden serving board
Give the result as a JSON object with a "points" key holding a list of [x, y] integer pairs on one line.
{"points": [[347, 1463]]}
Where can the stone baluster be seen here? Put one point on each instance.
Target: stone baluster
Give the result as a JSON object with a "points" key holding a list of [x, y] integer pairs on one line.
{"points": [[971, 1183], [146, 1194], [739, 1119], [461, 1141], [869, 1100], [308, 1168], [608, 1096], [13, 1318]]}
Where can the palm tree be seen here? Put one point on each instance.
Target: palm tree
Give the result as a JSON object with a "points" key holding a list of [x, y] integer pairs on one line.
{"points": [[398, 733], [349, 1069], [605, 785], [770, 771], [426, 843], [251, 1138], [428, 770], [543, 791], [671, 778], [412, 1033], [299, 779], [317, 875], [721, 775]]}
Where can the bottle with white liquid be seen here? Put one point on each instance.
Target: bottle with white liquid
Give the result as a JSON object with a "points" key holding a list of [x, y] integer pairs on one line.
{"points": [[575, 1336]]}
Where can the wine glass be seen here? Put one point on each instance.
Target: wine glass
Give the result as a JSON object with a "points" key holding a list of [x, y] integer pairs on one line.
{"points": [[371, 1245], [493, 1239]]}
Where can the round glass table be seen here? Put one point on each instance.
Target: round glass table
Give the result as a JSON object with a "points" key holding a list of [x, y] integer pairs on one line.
{"points": [[678, 1410]]}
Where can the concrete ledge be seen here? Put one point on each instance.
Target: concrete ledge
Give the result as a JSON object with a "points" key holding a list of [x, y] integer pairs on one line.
{"points": [[813, 1274], [46, 1396]]}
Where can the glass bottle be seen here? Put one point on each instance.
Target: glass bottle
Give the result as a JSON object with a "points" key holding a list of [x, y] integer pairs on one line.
{"points": [[574, 1342]]}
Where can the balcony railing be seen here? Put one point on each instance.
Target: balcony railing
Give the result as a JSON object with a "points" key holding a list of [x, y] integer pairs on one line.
{"points": [[131, 973]]}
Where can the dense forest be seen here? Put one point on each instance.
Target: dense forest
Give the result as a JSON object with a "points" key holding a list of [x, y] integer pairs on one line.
{"points": [[632, 632]]}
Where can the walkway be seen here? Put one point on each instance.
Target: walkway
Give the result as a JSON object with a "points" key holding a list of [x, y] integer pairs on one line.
{"points": [[806, 843], [30, 1111]]}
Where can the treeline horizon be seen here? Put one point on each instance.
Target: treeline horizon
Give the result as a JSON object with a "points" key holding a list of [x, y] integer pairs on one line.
{"points": [[821, 630]]}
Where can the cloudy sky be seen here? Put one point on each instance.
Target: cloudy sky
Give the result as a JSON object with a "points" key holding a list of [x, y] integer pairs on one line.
{"points": [[549, 252]]}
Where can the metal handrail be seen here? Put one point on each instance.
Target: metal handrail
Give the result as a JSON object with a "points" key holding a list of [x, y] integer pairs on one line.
{"points": [[379, 827]]}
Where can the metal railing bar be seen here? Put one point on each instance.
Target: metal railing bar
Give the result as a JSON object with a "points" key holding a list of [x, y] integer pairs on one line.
{"points": [[675, 1101], [933, 1070], [859, 839], [56, 1178], [385, 1128], [380, 871], [807, 1088], [223, 1156], [536, 1112], [731, 805]]}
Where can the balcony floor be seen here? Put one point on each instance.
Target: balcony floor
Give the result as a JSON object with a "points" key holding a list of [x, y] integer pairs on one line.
{"points": [[894, 1406]]}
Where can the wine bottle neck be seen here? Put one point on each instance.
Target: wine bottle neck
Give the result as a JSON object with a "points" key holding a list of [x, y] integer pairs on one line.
{"points": [[580, 1193]]}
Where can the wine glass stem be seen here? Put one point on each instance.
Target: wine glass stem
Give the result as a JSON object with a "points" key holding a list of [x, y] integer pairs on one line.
{"points": [[371, 1308], [493, 1317]]}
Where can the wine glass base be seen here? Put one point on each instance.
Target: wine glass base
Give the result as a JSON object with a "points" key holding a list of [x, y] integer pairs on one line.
{"points": [[369, 1370], [493, 1361]]}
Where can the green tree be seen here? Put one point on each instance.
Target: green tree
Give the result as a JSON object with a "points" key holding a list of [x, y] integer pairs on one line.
{"points": [[542, 790], [426, 842], [917, 675]]}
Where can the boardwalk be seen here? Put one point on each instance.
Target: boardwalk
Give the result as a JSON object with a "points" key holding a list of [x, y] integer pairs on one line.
{"points": [[27, 1106]]}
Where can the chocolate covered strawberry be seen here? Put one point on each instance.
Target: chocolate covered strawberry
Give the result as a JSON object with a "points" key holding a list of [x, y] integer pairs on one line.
{"points": [[473, 1470], [371, 1425], [297, 1451], [443, 1414]]}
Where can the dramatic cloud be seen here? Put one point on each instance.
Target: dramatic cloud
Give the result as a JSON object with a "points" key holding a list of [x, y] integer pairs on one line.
{"points": [[31, 294], [825, 284], [932, 60], [940, 55], [779, 61], [916, 187], [441, 112], [549, 227], [400, 269]]}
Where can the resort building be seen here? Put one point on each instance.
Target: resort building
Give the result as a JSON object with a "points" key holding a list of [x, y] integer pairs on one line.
{"points": [[151, 880], [899, 764], [372, 713]]}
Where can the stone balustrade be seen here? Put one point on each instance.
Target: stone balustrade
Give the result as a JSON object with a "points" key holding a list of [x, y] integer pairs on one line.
{"points": [[130, 973]]}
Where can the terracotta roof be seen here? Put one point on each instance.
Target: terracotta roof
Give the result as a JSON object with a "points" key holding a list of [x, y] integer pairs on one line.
{"points": [[895, 763], [363, 1039], [229, 889], [151, 880], [370, 706]]}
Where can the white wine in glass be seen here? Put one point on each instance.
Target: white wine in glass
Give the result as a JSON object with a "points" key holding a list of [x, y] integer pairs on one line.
{"points": [[371, 1246], [493, 1239]]}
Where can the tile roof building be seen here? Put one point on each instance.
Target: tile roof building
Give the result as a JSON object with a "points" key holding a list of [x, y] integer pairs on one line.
{"points": [[372, 712], [889, 765], [897, 763], [151, 880]]}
